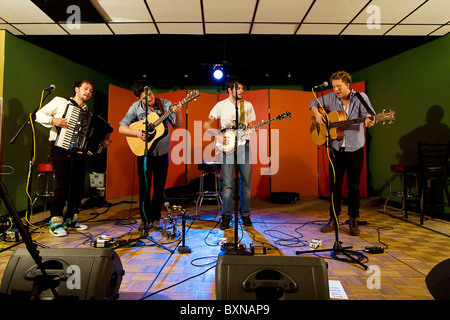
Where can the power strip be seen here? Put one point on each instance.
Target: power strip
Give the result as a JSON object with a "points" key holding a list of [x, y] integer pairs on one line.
{"points": [[374, 249]]}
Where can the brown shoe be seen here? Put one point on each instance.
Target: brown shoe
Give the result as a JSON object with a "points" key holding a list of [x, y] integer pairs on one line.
{"points": [[353, 227], [329, 227], [143, 226], [155, 224]]}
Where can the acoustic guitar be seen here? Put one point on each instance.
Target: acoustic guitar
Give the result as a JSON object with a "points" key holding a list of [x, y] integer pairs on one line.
{"points": [[230, 136], [156, 131], [337, 122]]}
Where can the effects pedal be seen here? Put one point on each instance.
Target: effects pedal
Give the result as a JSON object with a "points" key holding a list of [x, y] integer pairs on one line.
{"points": [[257, 249], [104, 241]]}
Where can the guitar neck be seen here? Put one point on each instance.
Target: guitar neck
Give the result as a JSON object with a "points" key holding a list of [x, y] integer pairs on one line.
{"points": [[347, 122], [259, 125], [168, 113], [162, 118]]}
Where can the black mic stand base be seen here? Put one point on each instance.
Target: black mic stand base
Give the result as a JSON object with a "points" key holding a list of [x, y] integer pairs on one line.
{"points": [[184, 249], [144, 235], [337, 250]]}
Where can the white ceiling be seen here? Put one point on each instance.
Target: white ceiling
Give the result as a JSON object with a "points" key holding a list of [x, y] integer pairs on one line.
{"points": [[201, 17]]}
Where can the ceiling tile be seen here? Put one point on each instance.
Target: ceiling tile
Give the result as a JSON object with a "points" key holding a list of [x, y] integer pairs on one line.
{"points": [[88, 29], [133, 28], [364, 30], [435, 11], [274, 28], [390, 12], [40, 29], [281, 11], [227, 28], [180, 28], [316, 28], [442, 31], [116, 11], [229, 11], [22, 11], [11, 30], [176, 10], [412, 30], [332, 11]]}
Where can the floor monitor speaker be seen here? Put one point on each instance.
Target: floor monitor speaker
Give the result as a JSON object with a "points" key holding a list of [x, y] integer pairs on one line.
{"points": [[438, 281], [248, 277], [81, 274]]}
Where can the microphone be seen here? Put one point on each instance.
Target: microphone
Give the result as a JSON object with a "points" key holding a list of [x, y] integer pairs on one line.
{"points": [[323, 84], [166, 204], [51, 88]]}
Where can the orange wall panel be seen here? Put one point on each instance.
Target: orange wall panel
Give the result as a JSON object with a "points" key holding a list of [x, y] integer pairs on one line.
{"points": [[120, 160], [297, 170]]}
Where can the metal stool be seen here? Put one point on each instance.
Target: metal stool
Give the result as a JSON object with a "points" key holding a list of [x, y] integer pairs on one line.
{"points": [[209, 168], [45, 184], [405, 171]]}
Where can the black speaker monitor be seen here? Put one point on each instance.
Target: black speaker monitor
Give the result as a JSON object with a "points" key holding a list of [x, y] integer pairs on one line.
{"points": [[246, 277], [81, 274], [438, 281]]}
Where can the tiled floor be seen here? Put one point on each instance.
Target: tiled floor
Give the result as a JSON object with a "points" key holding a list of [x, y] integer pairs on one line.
{"points": [[156, 270]]}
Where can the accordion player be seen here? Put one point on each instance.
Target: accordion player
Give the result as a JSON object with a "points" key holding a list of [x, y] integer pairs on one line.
{"points": [[86, 131]]}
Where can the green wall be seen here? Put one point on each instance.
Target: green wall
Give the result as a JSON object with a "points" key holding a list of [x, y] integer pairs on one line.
{"points": [[416, 85], [29, 69]]}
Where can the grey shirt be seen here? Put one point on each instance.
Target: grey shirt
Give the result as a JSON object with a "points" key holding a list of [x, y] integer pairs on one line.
{"points": [[354, 134], [137, 113]]}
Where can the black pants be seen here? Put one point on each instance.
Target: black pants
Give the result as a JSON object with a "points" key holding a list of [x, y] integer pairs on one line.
{"points": [[154, 176], [69, 170], [350, 163]]}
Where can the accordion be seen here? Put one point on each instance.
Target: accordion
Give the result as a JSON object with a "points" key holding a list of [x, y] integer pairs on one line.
{"points": [[86, 131]]}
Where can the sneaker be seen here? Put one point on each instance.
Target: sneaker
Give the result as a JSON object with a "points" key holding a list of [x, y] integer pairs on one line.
{"points": [[74, 224], [353, 227], [225, 224], [246, 221], [329, 227], [57, 226]]}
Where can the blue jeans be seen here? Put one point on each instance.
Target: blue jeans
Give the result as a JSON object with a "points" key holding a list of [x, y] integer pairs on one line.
{"points": [[245, 173]]}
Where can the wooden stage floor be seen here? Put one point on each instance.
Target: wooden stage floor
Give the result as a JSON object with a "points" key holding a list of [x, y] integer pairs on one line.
{"points": [[156, 273]]}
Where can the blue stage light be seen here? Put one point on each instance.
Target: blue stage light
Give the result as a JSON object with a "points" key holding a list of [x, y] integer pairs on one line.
{"points": [[218, 71]]}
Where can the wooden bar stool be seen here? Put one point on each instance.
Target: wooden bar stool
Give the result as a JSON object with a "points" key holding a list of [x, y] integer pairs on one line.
{"points": [[405, 171], [45, 184]]}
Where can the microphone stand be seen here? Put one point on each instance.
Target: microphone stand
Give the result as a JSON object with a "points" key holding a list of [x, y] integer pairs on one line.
{"points": [[24, 230], [144, 231], [30, 119], [337, 247], [236, 249]]}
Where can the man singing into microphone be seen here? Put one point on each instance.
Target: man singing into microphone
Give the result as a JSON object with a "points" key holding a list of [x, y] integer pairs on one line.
{"points": [[347, 155], [67, 167], [155, 166]]}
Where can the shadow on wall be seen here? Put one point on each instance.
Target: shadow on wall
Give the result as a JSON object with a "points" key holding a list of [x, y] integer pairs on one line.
{"points": [[432, 131]]}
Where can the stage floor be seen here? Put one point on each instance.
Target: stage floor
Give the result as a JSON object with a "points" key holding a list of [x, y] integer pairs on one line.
{"points": [[154, 272]]}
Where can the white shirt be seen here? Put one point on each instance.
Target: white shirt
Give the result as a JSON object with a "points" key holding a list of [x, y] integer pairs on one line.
{"points": [[225, 110], [53, 109]]}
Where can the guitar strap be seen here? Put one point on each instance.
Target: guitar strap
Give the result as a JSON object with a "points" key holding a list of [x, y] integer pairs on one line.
{"points": [[161, 108], [364, 103], [242, 112]]}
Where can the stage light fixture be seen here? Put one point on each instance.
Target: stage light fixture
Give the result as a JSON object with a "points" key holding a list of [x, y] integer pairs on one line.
{"points": [[218, 71]]}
